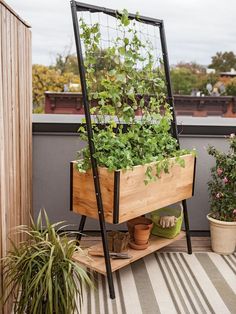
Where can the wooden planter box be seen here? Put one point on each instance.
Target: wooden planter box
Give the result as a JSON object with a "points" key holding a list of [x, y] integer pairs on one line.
{"points": [[124, 194]]}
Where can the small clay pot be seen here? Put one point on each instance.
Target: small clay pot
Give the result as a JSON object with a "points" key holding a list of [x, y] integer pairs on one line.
{"points": [[141, 234], [135, 246], [136, 221]]}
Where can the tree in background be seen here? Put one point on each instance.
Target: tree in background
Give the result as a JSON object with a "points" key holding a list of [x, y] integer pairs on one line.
{"points": [[205, 79], [185, 76], [104, 60], [223, 61], [49, 79], [66, 63], [63, 72], [194, 67], [183, 80], [231, 87]]}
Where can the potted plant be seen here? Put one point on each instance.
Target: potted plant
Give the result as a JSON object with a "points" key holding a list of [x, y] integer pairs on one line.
{"points": [[136, 156], [222, 190], [40, 273]]}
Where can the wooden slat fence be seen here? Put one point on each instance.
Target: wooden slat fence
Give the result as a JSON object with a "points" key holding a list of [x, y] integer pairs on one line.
{"points": [[15, 128]]}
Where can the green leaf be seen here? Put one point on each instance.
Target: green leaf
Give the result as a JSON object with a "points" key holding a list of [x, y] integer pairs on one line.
{"points": [[121, 77], [124, 18], [42, 270], [122, 50], [112, 72], [126, 41]]}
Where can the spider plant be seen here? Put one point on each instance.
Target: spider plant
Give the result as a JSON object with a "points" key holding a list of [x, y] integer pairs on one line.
{"points": [[40, 272]]}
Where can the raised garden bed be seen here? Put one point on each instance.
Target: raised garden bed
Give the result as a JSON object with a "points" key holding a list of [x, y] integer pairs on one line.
{"points": [[124, 193]]}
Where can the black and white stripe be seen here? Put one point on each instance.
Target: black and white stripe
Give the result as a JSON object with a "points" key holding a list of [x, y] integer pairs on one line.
{"points": [[168, 283]]}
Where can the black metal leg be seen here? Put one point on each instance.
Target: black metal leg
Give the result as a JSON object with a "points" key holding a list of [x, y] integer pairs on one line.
{"points": [[107, 256], [92, 148], [105, 249], [81, 227], [186, 222]]}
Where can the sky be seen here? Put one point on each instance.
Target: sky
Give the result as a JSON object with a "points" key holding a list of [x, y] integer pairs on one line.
{"points": [[195, 29]]}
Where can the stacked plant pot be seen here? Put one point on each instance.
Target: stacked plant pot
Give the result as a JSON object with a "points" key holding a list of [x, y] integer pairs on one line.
{"points": [[139, 229]]}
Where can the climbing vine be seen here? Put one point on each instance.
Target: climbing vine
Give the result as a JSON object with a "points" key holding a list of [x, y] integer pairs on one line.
{"points": [[129, 82]]}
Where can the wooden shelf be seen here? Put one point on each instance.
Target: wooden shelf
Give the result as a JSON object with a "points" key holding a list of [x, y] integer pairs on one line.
{"points": [[98, 263]]}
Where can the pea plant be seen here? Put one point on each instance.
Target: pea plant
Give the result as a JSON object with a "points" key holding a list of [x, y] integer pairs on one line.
{"points": [[121, 80]]}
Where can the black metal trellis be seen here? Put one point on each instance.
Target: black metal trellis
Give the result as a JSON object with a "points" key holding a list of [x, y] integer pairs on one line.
{"points": [[80, 7]]}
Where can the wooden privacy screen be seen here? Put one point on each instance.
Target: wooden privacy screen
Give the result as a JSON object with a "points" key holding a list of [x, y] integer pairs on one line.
{"points": [[15, 127]]}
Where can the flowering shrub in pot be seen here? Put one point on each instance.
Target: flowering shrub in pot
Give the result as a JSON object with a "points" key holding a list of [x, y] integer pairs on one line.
{"points": [[222, 191]]}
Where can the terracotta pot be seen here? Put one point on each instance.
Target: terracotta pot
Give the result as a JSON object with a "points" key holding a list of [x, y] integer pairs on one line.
{"points": [[135, 246], [138, 220], [223, 235], [141, 234]]}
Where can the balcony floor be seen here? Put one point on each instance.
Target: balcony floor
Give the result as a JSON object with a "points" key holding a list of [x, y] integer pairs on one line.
{"points": [[169, 281]]}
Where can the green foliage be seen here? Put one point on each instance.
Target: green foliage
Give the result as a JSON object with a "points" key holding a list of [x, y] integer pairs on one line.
{"points": [[231, 87], [116, 86], [205, 79], [189, 76], [183, 80], [194, 67], [66, 63], [222, 186], [223, 61], [104, 61], [139, 145], [119, 90], [40, 272]]}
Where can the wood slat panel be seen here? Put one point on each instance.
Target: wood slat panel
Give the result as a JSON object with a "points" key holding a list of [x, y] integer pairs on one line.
{"points": [[84, 199], [15, 129], [170, 188], [2, 199]]}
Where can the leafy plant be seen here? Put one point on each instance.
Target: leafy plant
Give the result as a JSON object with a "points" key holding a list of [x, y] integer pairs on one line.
{"points": [[130, 80], [40, 272], [222, 186], [129, 73], [231, 87], [183, 80], [139, 146]]}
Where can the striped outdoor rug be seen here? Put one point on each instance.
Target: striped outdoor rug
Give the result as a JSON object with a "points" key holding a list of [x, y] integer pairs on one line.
{"points": [[168, 283]]}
